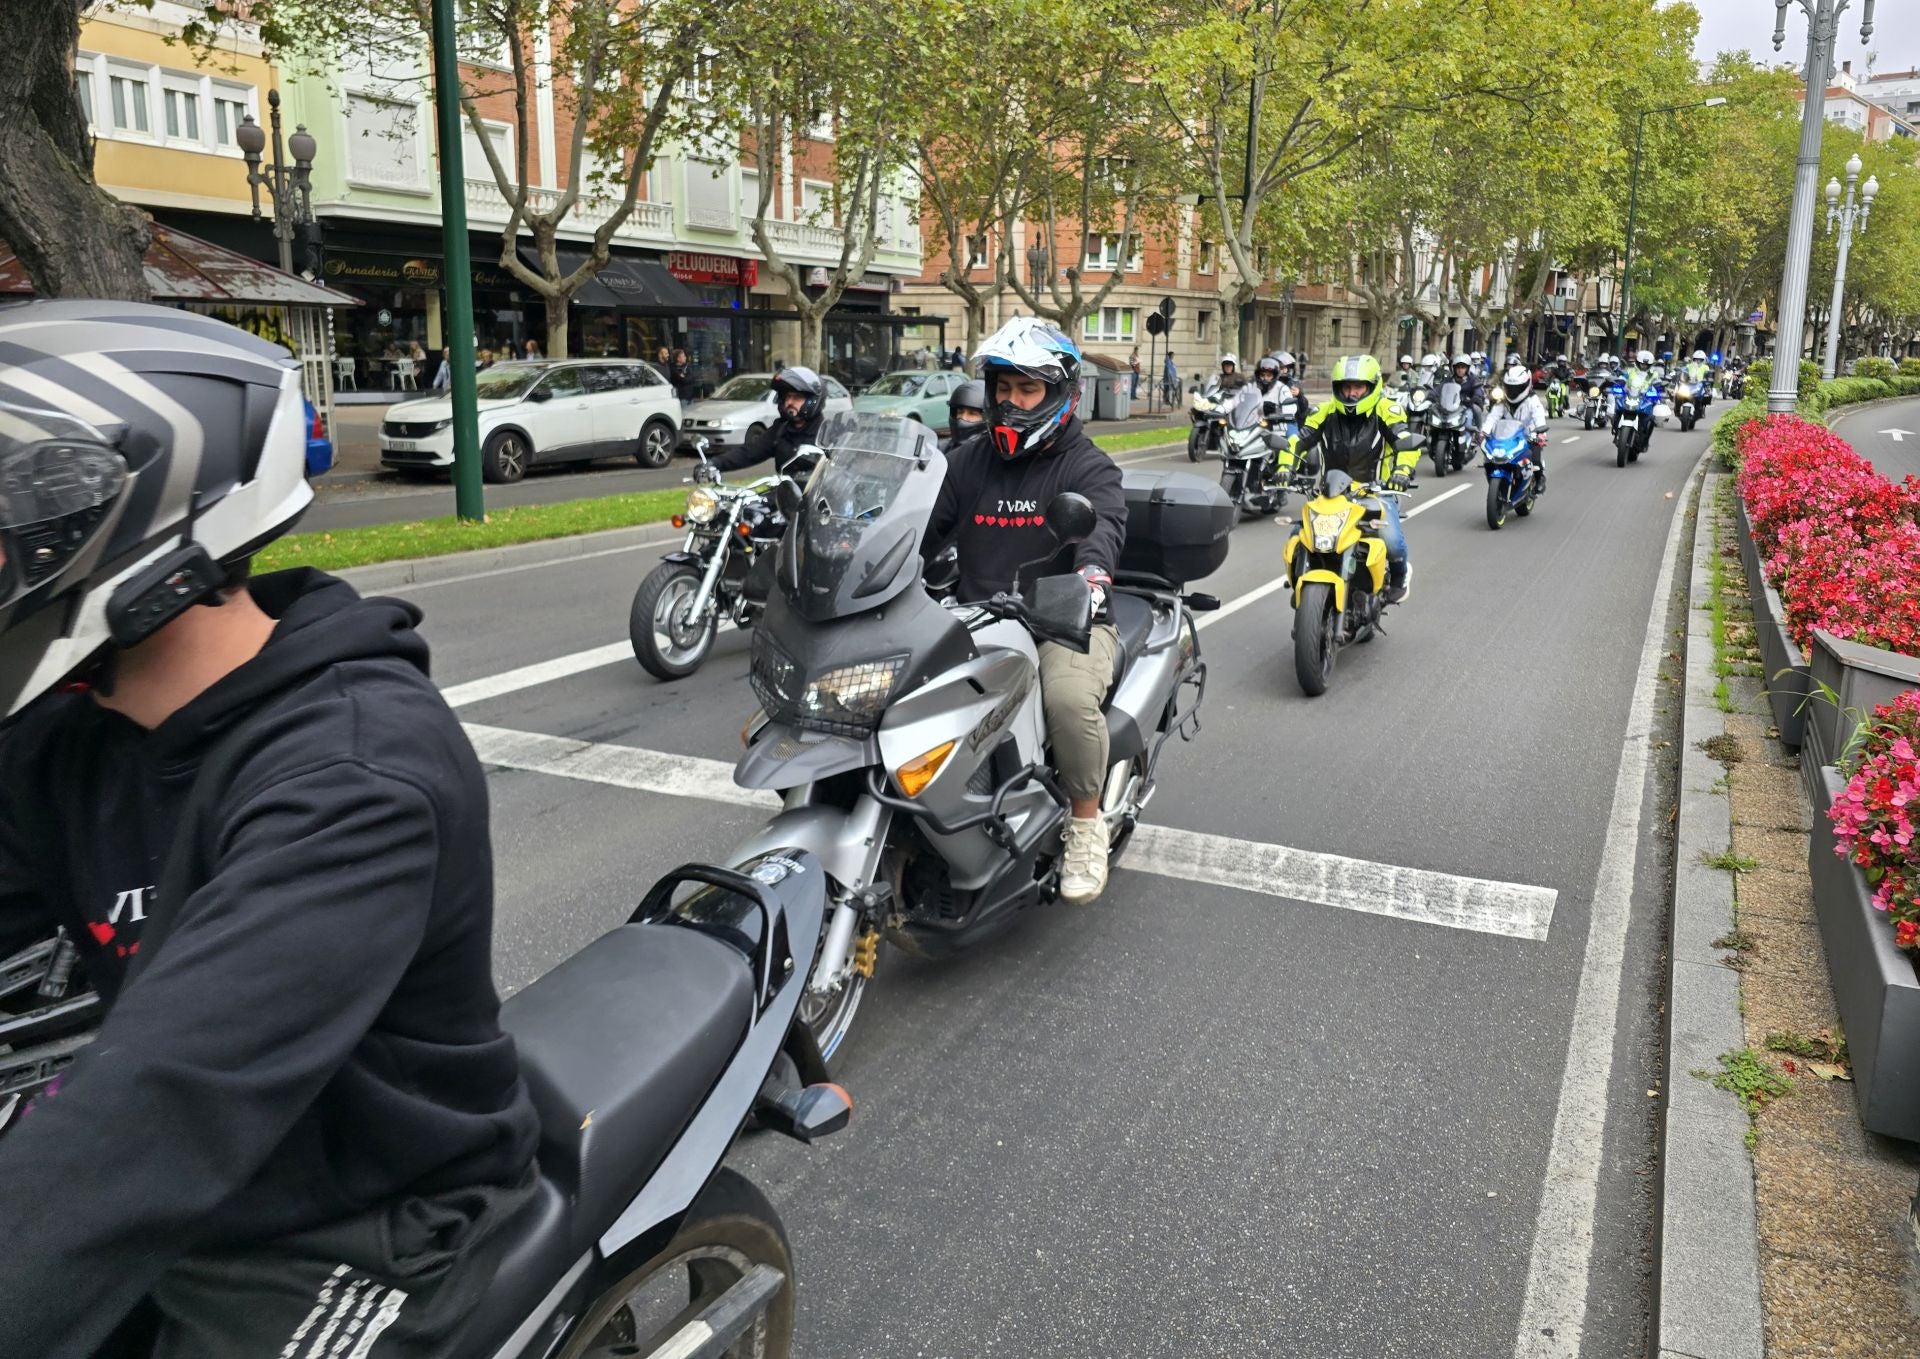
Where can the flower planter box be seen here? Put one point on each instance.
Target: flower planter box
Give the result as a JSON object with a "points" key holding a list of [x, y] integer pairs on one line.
{"points": [[1874, 984], [1780, 658], [1862, 678]]}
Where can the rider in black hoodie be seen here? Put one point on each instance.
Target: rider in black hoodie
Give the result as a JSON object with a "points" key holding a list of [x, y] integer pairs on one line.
{"points": [[267, 834]]}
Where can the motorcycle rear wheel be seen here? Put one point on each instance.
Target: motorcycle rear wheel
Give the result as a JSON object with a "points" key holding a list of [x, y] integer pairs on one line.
{"points": [[1496, 506], [730, 1230], [662, 643], [1313, 638]]}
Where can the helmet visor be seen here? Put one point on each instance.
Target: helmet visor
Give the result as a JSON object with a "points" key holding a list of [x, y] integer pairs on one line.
{"points": [[59, 481]]}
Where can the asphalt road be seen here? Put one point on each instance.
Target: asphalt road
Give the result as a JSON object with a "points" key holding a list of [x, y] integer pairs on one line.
{"points": [[1193, 1119], [1887, 436]]}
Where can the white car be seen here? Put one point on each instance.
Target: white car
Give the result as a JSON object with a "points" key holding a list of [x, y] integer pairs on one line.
{"points": [[565, 410], [743, 405]]}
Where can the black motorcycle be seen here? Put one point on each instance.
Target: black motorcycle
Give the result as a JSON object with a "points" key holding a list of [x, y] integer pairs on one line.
{"points": [[1209, 431], [1447, 429], [724, 569], [645, 1054]]}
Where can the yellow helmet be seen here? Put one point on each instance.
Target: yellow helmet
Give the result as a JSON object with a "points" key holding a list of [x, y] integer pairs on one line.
{"points": [[1357, 368]]}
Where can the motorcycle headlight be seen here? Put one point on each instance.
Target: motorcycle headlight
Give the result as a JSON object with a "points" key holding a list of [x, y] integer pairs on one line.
{"points": [[1326, 531], [856, 693], [702, 505], [1498, 453]]}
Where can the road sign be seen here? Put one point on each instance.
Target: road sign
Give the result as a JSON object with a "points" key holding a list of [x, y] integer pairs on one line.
{"points": [[1165, 308], [1156, 323]]}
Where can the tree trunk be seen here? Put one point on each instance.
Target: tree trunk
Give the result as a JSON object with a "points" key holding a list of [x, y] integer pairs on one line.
{"points": [[812, 344], [558, 306], [976, 325], [73, 238]]}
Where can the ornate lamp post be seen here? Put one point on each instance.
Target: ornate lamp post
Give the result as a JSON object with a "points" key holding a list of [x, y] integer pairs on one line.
{"points": [[290, 187], [1850, 215], [1823, 24]]}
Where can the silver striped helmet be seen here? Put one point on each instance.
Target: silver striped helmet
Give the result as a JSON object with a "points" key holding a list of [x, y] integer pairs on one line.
{"points": [[127, 431]]}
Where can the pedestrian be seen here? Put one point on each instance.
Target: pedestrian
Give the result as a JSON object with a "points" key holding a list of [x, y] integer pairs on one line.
{"points": [[533, 351], [485, 361], [779, 367], [663, 360], [443, 380], [1170, 380], [959, 359], [1133, 363], [680, 374]]}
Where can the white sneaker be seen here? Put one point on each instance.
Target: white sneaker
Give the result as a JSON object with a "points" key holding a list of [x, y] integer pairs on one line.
{"points": [[1083, 867]]}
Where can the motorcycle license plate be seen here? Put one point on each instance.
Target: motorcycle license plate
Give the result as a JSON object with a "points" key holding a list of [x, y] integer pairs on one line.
{"points": [[403, 445]]}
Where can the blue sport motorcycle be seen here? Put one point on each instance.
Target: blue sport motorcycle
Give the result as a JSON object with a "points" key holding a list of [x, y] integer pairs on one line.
{"points": [[1636, 396], [1513, 477]]}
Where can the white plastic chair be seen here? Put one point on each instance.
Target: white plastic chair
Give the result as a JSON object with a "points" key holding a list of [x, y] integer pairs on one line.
{"points": [[344, 373], [407, 371]]}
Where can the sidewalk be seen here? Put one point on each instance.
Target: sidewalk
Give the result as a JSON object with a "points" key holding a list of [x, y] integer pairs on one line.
{"points": [[1839, 1274]]}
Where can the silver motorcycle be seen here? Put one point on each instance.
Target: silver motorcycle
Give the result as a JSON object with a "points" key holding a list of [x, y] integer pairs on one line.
{"points": [[905, 734]]}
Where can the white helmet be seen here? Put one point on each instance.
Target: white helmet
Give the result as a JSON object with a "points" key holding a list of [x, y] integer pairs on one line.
{"points": [[145, 454], [1230, 358], [1699, 356], [1284, 359], [1644, 357], [1406, 360], [1516, 383]]}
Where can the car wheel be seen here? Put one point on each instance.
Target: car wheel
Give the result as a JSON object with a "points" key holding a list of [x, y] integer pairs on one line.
{"points": [[655, 448], [504, 459]]}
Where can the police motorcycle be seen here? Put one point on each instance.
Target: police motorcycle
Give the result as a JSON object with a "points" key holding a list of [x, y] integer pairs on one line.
{"points": [[645, 1054], [904, 733], [724, 569], [1637, 407]]}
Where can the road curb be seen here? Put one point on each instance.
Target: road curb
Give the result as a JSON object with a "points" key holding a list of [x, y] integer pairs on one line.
{"points": [[1709, 1232], [545, 552]]}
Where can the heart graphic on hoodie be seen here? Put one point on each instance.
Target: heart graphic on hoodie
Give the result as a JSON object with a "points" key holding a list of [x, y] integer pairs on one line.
{"points": [[102, 932], [979, 518], [1020, 521], [1004, 523], [1039, 521]]}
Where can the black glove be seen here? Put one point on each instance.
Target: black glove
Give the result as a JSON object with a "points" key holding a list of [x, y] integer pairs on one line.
{"points": [[1400, 479]]}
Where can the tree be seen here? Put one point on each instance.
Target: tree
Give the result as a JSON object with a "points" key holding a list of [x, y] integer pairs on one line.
{"points": [[74, 238], [618, 68]]}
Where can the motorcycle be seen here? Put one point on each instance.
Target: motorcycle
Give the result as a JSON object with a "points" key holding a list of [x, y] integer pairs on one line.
{"points": [[1596, 400], [1256, 431], [1209, 419], [905, 734], [1556, 397], [645, 1054], [1513, 484], [1336, 564], [725, 568], [1447, 431], [1733, 383], [1636, 399], [1684, 397]]}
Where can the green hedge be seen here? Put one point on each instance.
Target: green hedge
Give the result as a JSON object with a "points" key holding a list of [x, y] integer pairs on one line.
{"points": [[1910, 368], [1873, 368], [1815, 400]]}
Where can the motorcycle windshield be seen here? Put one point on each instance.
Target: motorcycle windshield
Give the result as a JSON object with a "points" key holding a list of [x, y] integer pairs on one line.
{"points": [[855, 541], [1244, 407], [1449, 396], [1509, 440]]}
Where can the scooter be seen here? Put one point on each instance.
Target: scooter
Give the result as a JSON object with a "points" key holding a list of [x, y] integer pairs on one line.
{"points": [[905, 735]]}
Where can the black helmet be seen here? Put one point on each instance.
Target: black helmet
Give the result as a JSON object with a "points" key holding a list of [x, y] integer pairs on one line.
{"points": [[1266, 373], [806, 383], [970, 395], [144, 452]]}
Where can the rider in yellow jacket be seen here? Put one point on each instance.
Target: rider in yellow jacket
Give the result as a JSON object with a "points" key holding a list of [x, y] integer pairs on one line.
{"points": [[1363, 433]]}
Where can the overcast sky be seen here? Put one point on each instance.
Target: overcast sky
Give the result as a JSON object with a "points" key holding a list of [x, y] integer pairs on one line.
{"points": [[1729, 24]]}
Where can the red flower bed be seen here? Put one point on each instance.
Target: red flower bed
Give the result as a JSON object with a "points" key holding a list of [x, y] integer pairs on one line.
{"points": [[1839, 541], [1873, 820]]}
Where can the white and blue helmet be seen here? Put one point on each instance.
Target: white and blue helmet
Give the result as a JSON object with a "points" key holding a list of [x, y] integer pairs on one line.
{"points": [[1036, 349]]}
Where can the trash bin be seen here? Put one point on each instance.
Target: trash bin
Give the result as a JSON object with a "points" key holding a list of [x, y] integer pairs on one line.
{"points": [[1113, 383], [1089, 392]]}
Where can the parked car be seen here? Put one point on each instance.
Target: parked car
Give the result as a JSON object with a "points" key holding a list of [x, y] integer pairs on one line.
{"points": [[743, 405], [560, 410], [319, 446], [914, 393]]}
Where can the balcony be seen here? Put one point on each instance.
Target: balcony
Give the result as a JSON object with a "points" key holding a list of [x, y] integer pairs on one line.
{"points": [[648, 223]]}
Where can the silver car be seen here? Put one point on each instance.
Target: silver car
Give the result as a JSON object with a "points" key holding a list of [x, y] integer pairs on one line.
{"points": [[743, 405]]}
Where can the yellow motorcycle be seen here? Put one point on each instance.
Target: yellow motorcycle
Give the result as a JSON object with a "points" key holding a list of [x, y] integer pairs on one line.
{"points": [[1337, 566]]}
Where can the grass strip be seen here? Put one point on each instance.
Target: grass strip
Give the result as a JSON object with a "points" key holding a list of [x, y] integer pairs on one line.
{"points": [[345, 548], [1140, 438]]}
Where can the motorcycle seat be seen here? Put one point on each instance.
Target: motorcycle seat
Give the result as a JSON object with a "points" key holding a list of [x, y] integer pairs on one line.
{"points": [[618, 1045], [1132, 617]]}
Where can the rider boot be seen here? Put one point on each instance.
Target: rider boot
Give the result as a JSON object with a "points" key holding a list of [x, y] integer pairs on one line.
{"points": [[1399, 582]]}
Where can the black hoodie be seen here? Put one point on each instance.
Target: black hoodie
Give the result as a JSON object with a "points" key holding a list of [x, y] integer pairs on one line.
{"points": [[314, 1029], [994, 510]]}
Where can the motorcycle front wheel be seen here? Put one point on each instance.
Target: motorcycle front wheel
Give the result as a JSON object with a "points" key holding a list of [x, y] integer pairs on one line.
{"points": [[1313, 637], [730, 1231], [667, 644], [1193, 444], [1496, 505], [1622, 443]]}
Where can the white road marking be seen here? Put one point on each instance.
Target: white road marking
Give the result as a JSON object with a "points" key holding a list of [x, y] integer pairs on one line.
{"points": [[1514, 910], [411, 586], [542, 672], [1571, 439], [1554, 1313]]}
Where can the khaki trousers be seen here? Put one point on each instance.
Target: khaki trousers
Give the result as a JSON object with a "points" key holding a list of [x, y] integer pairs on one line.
{"points": [[1072, 688]]}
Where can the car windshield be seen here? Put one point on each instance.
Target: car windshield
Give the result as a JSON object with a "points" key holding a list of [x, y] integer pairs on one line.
{"points": [[898, 384], [506, 381], [746, 387], [862, 514]]}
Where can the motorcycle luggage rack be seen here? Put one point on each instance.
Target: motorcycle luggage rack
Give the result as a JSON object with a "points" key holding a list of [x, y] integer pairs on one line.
{"points": [[992, 821]]}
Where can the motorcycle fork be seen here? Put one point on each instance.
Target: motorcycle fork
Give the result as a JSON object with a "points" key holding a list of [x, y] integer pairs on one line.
{"points": [[702, 605]]}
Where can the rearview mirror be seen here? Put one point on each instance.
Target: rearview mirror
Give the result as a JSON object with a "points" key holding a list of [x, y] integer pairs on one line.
{"points": [[1070, 517], [540, 394]]}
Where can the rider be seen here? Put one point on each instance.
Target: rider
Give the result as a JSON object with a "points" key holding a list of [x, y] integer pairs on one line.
{"points": [[1514, 399], [800, 402], [1700, 374], [1472, 389], [251, 810], [1359, 433], [1034, 450], [1405, 377], [966, 412], [1228, 380]]}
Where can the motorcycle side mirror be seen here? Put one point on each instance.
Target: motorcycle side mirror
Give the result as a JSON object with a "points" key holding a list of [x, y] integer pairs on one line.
{"points": [[942, 573], [1070, 517], [1060, 608], [540, 394]]}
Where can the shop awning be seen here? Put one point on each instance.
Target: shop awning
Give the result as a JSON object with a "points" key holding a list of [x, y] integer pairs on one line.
{"points": [[625, 282], [183, 268]]}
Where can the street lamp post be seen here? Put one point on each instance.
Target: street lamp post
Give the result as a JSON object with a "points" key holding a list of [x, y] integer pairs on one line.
{"points": [[1633, 195], [290, 187], [1849, 216], [1823, 24]]}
